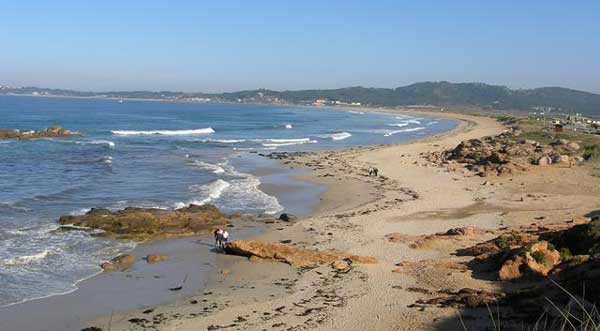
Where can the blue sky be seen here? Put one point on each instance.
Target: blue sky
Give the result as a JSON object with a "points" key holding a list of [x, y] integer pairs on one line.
{"points": [[196, 45]]}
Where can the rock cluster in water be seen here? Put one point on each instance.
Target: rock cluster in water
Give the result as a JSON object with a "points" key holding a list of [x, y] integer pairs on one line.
{"points": [[51, 132], [149, 223]]}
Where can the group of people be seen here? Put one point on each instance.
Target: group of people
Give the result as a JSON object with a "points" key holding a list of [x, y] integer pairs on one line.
{"points": [[221, 237]]}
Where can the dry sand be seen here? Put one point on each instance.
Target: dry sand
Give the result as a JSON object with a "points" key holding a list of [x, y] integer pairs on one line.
{"points": [[412, 198]]}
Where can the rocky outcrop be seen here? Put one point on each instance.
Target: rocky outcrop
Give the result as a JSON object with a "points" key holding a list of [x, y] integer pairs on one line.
{"points": [[505, 154], [537, 259], [121, 263], [498, 249], [294, 256], [51, 132], [154, 258], [149, 223]]}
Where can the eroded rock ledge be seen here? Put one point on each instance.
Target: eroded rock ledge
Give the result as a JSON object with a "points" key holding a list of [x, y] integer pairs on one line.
{"points": [[149, 223], [294, 256]]}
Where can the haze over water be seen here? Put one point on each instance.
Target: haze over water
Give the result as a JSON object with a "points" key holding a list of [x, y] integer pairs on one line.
{"points": [[147, 154]]}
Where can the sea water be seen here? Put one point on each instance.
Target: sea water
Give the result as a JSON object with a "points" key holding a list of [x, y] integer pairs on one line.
{"points": [[147, 154]]}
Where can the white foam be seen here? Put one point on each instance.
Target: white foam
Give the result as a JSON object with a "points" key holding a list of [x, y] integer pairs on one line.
{"points": [[108, 143], [81, 211], [223, 141], [107, 159], [241, 193], [216, 169], [103, 142], [400, 125], [164, 132], [289, 140], [390, 133], [276, 144], [288, 126], [341, 136], [285, 142], [26, 259], [245, 194], [335, 136], [432, 123], [209, 193]]}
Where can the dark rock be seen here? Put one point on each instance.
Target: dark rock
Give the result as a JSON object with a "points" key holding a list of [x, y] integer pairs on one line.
{"points": [[285, 217]]}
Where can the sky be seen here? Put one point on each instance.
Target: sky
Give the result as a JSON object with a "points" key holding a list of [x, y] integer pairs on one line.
{"points": [[215, 46]]}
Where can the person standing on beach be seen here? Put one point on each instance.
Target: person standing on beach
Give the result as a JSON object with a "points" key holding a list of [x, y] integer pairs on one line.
{"points": [[218, 233], [225, 237]]}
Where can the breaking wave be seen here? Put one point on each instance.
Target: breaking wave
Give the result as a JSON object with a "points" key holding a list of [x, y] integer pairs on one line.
{"points": [[164, 132], [214, 168], [287, 142], [239, 193], [209, 193], [107, 143], [336, 136], [26, 259], [222, 141], [390, 133]]}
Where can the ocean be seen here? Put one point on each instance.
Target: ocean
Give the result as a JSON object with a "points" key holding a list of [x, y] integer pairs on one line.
{"points": [[149, 154]]}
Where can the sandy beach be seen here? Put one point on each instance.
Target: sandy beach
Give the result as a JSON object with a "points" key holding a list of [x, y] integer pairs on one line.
{"points": [[411, 198]]}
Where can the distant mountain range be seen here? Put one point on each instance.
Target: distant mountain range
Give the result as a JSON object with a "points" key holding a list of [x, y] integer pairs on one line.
{"points": [[440, 94]]}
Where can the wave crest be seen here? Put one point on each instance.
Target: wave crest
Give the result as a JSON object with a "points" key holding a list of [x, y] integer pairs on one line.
{"points": [[214, 168], [26, 259], [390, 133], [163, 132]]}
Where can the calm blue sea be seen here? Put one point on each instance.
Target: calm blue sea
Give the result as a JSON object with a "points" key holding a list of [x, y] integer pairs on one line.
{"points": [[150, 154]]}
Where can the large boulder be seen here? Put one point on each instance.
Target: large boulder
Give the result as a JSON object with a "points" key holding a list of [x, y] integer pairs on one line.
{"points": [[121, 262], [149, 223], [295, 256]]}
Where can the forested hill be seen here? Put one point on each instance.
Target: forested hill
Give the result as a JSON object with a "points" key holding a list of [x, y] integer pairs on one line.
{"points": [[442, 94]]}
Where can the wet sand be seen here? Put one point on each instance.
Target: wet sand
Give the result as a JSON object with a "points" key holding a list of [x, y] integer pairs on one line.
{"points": [[146, 285], [343, 220], [413, 198]]}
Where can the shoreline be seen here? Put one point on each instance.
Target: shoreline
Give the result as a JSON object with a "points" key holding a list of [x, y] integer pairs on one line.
{"points": [[230, 262], [237, 267]]}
